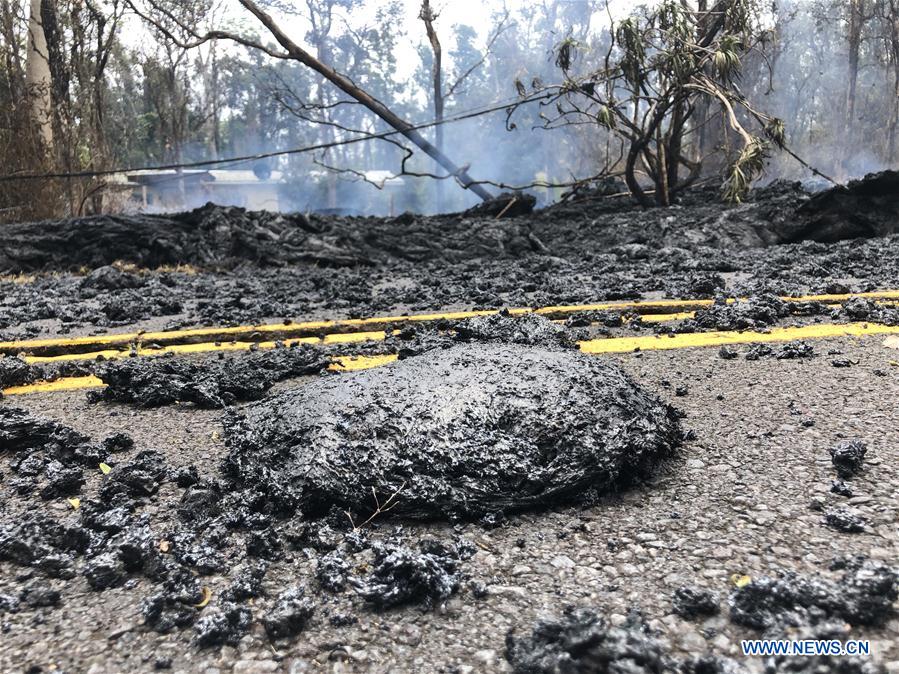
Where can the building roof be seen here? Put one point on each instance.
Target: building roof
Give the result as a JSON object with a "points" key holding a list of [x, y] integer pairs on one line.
{"points": [[228, 176]]}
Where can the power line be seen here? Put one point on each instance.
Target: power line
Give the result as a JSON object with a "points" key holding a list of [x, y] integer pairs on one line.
{"points": [[469, 114]]}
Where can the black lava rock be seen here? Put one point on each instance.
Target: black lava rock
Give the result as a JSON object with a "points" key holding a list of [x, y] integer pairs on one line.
{"points": [[158, 381], [62, 480], [841, 488], [120, 442], [726, 353], [186, 476], [138, 477], [39, 595], [795, 350], [248, 582], [401, 575], [16, 372], [864, 595], [265, 544], [528, 426], [759, 351], [583, 641], [751, 314], [176, 604], [331, 572], [110, 278]]}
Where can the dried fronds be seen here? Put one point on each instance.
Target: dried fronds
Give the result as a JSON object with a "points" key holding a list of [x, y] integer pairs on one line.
{"points": [[726, 58], [745, 169], [566, 53], [776, 132]]}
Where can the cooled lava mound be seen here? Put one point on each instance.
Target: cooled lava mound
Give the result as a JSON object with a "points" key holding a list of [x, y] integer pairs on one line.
{"points": [[463, 432]]}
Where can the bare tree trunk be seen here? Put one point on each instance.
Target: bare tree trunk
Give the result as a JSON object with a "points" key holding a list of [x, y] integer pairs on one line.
{"points": [[428, 16], [346, 85], [893, 19], [216, 107], [37, 77], [856, 9]]}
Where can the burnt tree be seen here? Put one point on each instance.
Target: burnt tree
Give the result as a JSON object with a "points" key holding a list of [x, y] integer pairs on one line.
{"points": [[664, 68]]}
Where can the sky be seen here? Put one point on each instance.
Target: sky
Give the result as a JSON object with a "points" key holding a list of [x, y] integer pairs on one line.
{"points": [[473, 13]]}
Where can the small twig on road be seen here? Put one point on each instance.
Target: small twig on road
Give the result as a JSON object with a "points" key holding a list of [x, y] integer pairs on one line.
{"points": [[379, 507]]}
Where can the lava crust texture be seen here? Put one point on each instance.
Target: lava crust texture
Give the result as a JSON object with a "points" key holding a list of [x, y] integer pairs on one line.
{"points": [[468, 431]]}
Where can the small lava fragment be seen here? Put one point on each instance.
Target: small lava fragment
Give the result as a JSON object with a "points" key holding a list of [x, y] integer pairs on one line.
{"points": [[402, 575], [289, 615], [248, 581], [105, 571], [174, 606], [331, 572], [224, 626], [841, 488], [692, 602], [759, 351], [8, 603], [186, 476], [62, 480], [845, 521], [848, 457], [39, 595], [265, 544], [795, 350], [120, 442]]}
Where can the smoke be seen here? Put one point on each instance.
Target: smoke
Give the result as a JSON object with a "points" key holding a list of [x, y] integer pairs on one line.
{"points": [[802, 78], [810, 90]]}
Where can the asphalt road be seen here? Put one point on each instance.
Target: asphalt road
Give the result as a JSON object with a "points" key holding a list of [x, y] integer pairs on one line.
{"points": [[744, 496]]}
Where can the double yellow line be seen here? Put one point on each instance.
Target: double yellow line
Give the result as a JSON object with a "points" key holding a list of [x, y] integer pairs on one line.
{"points": [[354, 329], [350, 331]]}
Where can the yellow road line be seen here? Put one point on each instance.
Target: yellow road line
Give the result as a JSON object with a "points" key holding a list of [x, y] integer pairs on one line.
{"points": [[608, 344], [207, 347], [701, 339], [340, 364], [664, 318], [291, 330], [352, 363], [64, 384], [594, 346]]}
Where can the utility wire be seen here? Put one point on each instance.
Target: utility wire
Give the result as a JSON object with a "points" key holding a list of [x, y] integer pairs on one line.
{"points": [[469, 114]]}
